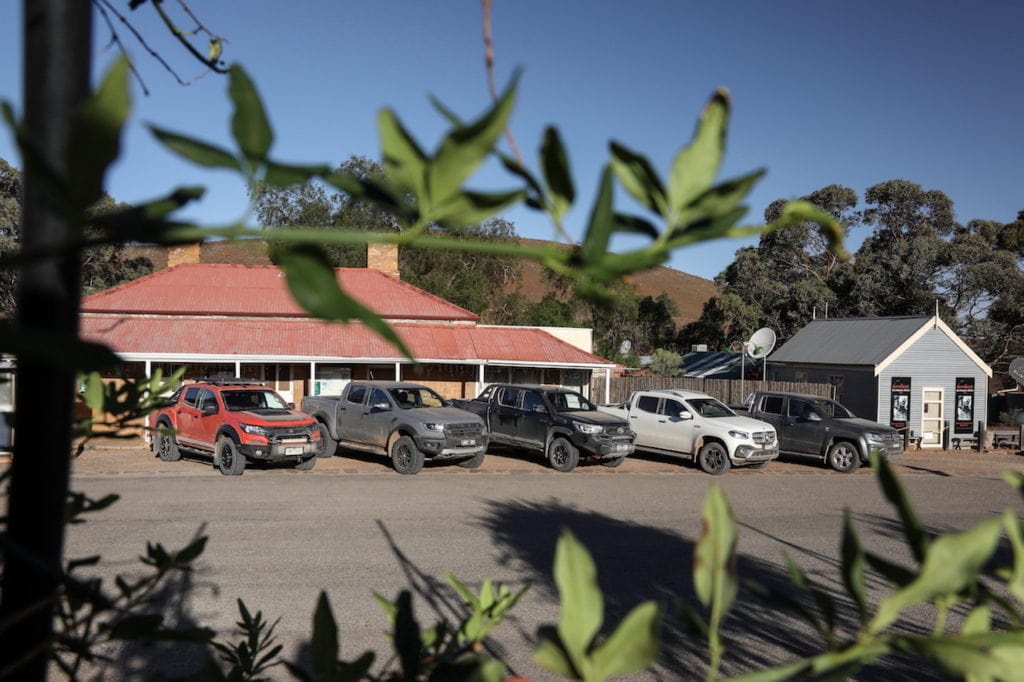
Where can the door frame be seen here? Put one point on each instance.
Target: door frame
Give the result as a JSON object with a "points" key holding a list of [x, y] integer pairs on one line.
{"points": [[941, 418]]}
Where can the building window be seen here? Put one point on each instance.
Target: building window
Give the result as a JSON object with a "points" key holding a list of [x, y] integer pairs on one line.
{"points": [[837, 381]]}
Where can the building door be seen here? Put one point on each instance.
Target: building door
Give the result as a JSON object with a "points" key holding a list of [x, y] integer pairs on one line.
{"points": [[932, 421]]}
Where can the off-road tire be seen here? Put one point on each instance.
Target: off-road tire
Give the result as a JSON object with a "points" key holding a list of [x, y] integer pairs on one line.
{"points": [[330, 445], [612, 463], [843, 457], [713, 459], [230, 461], [405, 456], [306, 464], [757, 465], [562, 454], [165, 446], [473, 462]]}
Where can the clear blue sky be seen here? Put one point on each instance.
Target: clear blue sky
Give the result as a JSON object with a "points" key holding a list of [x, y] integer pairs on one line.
{"points": [[853, 93]]}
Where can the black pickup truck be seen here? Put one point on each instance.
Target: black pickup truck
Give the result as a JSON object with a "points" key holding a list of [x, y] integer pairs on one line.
{"points": [[558, 422], [812, 426]]}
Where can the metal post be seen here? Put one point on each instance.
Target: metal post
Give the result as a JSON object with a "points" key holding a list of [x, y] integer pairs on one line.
{"points": [[947, 428]]}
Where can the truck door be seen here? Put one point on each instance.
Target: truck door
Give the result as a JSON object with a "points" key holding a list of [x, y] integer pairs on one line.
{"points": [[208, 419], [504, 413], [378, 419], [676, 433], [185, 414], [804, 433], [645, 421], [350, 413], [534, 420]]}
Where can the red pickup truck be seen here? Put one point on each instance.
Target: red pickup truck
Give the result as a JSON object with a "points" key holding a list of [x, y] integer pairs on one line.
{"points": [[235, 420]]}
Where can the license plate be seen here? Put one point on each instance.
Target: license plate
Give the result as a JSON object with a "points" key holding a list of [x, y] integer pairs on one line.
{"points": [[293, 451], [467, 441]]}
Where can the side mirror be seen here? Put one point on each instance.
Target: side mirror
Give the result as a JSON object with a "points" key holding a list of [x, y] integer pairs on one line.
{"points": [[540, 409], [684, 415], [380, 407], [813, 417], [291, 406], [209, 408]]}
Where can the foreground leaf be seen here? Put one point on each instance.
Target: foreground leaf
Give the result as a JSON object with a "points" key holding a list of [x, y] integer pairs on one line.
{"points": [[582, 604]]}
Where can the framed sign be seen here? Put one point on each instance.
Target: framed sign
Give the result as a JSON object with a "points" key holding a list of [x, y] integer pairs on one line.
{"points": [[899, 403], [963, 419]]}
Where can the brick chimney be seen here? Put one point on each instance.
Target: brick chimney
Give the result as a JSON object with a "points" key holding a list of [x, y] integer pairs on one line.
{"points": [[383, 257], [187, 253]]}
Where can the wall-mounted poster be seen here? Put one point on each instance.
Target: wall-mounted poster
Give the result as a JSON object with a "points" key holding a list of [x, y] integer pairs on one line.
{"points": [[899, 412], [963, 421]]}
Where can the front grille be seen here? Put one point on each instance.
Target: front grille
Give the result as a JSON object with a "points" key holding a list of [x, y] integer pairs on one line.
{"points": [[620, 430], [466, 430], [288, 432], [763, 437]]}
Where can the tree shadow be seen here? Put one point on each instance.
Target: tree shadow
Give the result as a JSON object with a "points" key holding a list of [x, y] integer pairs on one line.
{"points": [[637, 563]]}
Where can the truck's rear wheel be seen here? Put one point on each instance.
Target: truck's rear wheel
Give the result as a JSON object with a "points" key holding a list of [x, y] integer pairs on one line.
{"points": [[165, 445], [843, 457], [713, 459], [563, 455], [330, 445], [230, 461], [473, 462], [405, 456]]}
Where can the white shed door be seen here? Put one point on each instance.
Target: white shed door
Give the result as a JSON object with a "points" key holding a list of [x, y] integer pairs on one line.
{"points": [[931, 418]]}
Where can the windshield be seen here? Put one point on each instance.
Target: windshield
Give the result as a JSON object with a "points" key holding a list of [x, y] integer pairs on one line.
{"points": [[253, 399], [570, 401], [830, 408], [709, 407], [414, 397]]}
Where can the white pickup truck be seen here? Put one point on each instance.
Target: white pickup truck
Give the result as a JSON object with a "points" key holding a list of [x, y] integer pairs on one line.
{"points": [[695, 425]]}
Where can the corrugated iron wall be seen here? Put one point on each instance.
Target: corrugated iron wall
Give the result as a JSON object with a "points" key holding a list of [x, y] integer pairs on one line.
{"points": [[729, 391]]}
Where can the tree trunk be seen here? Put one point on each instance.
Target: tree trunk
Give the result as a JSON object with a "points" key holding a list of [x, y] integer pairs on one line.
{"points": [[57, 57]]}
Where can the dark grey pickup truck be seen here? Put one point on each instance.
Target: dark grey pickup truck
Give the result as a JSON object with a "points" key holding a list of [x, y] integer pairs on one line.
{"points": [[408, 422], [556, 421], [812, 426]]}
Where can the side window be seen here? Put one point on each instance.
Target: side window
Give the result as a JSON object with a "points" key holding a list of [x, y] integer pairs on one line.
{"points": [[647, 403], [378, 396], [357, 395], [206, 397], [800, 408], [532, 400], [672, 408], [192, 396], [509, 397], [772, 404]]}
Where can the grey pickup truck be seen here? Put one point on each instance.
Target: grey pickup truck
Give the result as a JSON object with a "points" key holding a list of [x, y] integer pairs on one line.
{"points": [[407, 422]]}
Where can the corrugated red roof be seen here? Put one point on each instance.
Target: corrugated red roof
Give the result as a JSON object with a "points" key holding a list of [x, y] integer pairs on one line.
{"points": [[305, 338], [261, 291]]}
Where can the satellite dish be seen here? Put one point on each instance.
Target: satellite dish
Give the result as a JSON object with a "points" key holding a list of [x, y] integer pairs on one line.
{"points": [[761, 343], [1017, 370], [625, 347]]}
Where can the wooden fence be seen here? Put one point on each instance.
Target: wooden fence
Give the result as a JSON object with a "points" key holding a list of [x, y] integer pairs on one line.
{"points": [[729, 391]]}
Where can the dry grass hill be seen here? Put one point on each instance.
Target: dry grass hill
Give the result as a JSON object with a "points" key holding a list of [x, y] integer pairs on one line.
{"points": [[688, 291]]}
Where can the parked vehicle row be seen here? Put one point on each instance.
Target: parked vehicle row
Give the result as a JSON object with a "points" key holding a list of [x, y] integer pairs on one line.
{"points": [[239, 420]]}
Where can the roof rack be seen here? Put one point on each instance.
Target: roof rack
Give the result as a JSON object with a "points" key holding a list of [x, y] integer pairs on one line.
{"points": [[230, 381]]}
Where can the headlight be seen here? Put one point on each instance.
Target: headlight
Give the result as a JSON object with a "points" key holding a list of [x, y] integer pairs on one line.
{"points": [[434, 427], [255, 429], [587, 428], [876, 437], [741, 435]]}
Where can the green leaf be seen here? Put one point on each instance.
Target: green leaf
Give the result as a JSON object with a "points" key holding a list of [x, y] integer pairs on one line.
{"points": [[582, 604], [195, 151], [404, 162], [472, 208], [314, 285], [796, 212], [551, 654], [785, 672], [407, 636], [639, 178], [635, 225], [602, 221], [714, 562], [1015, 479], [697, 164], [285, 175], [464, 148], [720, 201], [249, 123], [894, 492], [324, 645], [1015, 581], [951, 563], [633, 646], [977, 621], [463, 591], [555, 163], [96, 135], [95, 391], [976, 656], [534, 191], [853, 563]]}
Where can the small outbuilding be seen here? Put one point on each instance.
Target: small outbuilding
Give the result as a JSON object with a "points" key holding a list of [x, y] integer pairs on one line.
{"points": [[913, 373]]}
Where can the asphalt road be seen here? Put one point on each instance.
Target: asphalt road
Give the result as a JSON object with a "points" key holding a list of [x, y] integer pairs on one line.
{"points": [[351, 526]]}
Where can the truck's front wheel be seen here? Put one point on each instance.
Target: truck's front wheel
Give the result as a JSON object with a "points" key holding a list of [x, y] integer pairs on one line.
{"points": [[230, 461], [843, 457], [330, 445], [713, 459], [563, 455], [473, 462], [165, 445], [405, 456]]}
